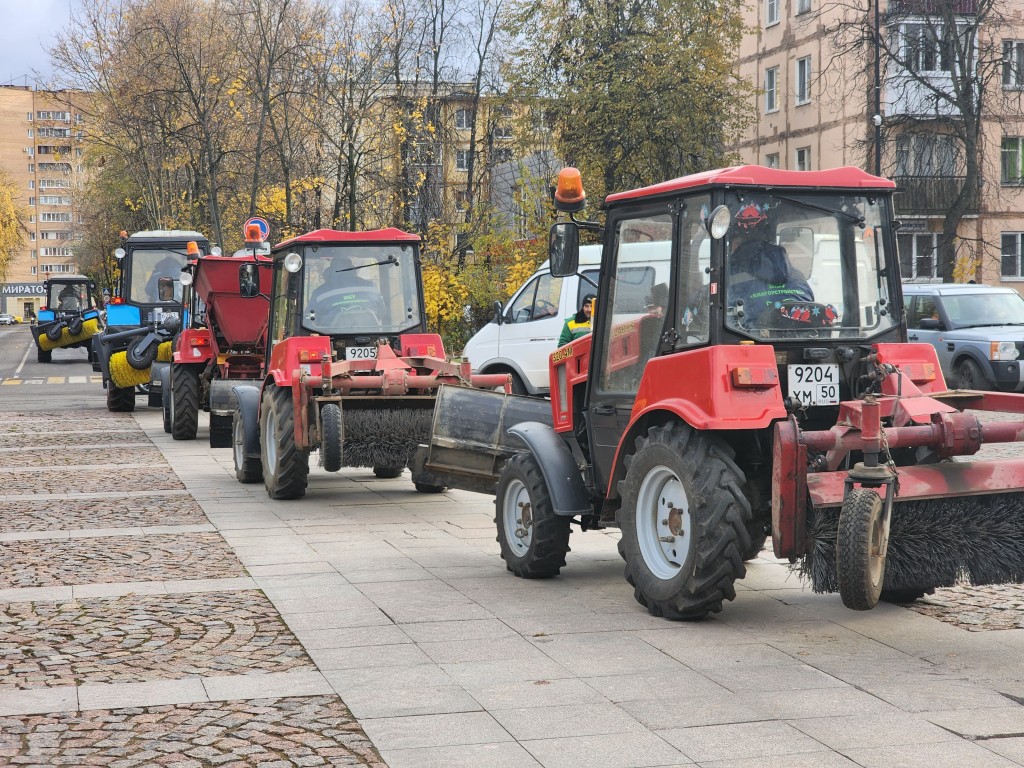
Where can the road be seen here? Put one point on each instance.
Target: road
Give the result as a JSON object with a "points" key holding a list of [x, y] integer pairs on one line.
{"points": [[154, 611]]}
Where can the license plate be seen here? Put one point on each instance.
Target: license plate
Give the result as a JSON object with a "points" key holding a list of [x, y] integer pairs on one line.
{"points": [[360, 353], [814, 384]]}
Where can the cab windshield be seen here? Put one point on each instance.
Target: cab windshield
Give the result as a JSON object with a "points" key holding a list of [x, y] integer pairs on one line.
{"points": [[360, 289], [147, 267], [806, 266], [68, 297]]}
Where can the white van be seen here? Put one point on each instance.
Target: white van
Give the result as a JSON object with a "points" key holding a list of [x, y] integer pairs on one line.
{"points": [[525, 331]]}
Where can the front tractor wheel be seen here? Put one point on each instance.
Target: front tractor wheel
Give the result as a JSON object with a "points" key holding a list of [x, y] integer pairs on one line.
{"points": [[184, 402], [533, 539], [285, 467], [44, 356], [860, 549], [685, 522]]}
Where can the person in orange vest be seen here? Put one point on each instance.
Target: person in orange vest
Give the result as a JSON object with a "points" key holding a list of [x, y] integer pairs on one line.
{"points": [[579, 324]]}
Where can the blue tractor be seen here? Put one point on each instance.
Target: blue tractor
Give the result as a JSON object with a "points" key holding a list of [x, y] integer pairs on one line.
{"points": [[145, 314]]}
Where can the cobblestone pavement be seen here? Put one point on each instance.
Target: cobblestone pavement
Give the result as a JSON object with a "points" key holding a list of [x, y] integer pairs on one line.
{"points": [[307, 731], [49, 457], [977, 609], [114, 559], [172, 623], [107, 512], [88, 479], [143, 637], [58, 439]]}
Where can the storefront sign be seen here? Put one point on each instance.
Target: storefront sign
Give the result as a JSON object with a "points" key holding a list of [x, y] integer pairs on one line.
{"points": [[22, 289]]}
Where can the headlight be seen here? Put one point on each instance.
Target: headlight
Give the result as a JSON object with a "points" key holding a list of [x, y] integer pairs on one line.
{"points": [[216, 251], [293, 262], [119, 253], [1003, 350], [186, 277], [718, 222]]}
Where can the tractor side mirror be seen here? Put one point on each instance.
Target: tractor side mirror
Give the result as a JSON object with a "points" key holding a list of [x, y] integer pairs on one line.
{"points": [[564, 248], [499, 312], [165, 289], [248, 281]]}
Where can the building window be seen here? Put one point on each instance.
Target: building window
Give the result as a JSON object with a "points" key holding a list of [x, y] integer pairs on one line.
{"points": [[501, 156], [50, 217], [461, 159], [31, 167], [58, 183], [771, 12], [461, 199], [30, 151], [54, 200], [925, 154], [30, 132], [463, 119], [917, 256], [33, 270], [1013, 63], [1011, 171], [32, 236], [924, 50], [771, 89], [803, 159], [502, 132], [1010, 250], [803, 6], [31, 183], [28, 116], [772, 160], [31, 201], [803, 80]]}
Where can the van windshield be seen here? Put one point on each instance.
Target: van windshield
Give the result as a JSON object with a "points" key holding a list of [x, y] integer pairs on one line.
{"points": [[806, 266]]}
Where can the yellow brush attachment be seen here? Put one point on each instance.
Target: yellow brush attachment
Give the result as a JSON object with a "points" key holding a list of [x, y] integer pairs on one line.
{"points": [[89, 329], [123, 375]]}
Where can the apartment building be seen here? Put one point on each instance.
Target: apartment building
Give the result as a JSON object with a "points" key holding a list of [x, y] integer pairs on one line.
{"points": [[41, 149], [820, 104]]}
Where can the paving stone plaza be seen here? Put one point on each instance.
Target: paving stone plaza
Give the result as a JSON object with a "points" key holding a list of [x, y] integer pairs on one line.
{"points": [[155, 612]]}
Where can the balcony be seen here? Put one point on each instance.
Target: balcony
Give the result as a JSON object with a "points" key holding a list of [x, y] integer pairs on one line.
{"points": [[927, 195]]}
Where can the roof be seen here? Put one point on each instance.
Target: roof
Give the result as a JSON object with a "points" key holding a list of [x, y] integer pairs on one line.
{"points": [[64, 278], [391, 234], [759, 176], [168, 234], [951, 289]]}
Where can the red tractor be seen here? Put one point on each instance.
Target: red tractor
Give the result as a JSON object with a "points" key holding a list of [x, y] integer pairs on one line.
{"points": [[748, 374], [350, 370], [223, 347]]}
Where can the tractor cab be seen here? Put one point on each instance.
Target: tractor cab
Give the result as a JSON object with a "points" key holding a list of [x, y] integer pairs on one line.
{"points": [[355, 287]]}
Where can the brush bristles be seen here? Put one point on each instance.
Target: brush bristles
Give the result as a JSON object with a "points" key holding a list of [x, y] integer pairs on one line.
{"points": [[384, 437], [933, 543]]}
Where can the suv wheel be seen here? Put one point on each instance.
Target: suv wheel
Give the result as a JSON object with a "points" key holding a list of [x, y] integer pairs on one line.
{"points": [[969, 376]]}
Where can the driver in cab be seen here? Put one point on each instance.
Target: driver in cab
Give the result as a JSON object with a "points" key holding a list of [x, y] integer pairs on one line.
{"points": [[344, 291], [760, 274]]}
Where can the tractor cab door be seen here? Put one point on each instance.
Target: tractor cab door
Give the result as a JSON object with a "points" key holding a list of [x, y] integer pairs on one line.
{"points": [[654, 300], [284, 305]]}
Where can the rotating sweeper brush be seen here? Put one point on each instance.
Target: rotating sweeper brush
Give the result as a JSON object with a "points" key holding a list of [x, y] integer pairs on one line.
{"points": [[383, 436]]}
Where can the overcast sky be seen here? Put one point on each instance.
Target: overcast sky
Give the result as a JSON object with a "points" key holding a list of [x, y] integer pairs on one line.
{"points": [[27, 30]]}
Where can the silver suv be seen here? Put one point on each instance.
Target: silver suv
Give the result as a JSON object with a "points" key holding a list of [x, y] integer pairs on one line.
{"points": [[977, 332]]}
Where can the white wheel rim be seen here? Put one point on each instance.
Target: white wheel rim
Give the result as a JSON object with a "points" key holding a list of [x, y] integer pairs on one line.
{"points": [[517, 534], [664, 523], [239, 440], [270, 439]]}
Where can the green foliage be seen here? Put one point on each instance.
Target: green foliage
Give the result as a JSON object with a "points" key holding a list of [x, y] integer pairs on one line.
{"points": [[636, 91]]}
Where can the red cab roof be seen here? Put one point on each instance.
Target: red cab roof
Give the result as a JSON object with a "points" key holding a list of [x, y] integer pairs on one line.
{"points": [[391, 234], [759, 176]]}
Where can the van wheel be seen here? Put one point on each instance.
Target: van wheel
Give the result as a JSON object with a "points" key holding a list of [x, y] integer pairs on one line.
{"points": [[518, 387], [969, 375]]}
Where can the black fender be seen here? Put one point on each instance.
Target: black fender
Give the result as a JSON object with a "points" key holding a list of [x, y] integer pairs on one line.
{"points": [[248, 398], [561, 474]]}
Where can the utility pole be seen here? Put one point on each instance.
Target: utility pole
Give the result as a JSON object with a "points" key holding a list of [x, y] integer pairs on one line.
{"points": [[877, 118]]}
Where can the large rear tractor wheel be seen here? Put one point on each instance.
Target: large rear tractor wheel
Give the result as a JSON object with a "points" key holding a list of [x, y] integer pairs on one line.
{"points": [[332, 436], [120, 399], [533, 539], [285, 467], [684, 521], [860, 550], [44, 356], [184, 402], [247, 469], [220, 431]]}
